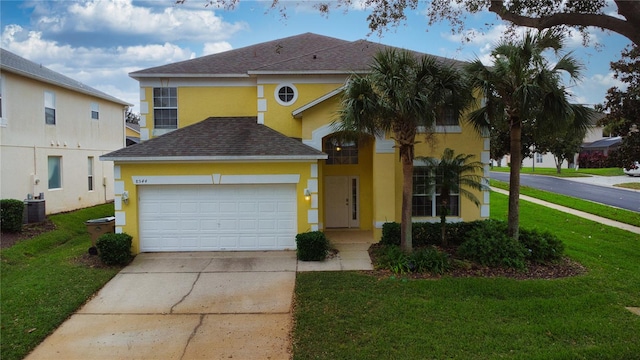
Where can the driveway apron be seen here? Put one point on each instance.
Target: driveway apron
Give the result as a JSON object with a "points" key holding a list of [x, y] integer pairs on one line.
{"points": [[205, 305]]}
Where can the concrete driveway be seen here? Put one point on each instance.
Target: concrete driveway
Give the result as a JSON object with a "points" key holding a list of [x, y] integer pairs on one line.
{"points": [[230, 305]]}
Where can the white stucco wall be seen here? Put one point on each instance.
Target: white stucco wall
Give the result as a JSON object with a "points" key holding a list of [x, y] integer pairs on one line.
{"points": [[26, 142]]}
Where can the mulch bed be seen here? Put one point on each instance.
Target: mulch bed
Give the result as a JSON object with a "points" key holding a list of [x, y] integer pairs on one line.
{"points": [[562, 268], [28, 231]]}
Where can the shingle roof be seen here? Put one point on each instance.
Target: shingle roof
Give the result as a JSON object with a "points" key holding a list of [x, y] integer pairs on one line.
{"points": [[13, 63], [305, 53], [215, 139]]}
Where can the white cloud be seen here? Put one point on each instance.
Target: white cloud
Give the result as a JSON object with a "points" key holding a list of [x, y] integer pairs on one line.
{"points": [[214, 48], [105, 69], [122, 17]]}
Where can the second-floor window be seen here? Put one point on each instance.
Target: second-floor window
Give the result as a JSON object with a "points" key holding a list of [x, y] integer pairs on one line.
{"points": [[95, 111], [341, 152], [165, 108], [49, 108]]}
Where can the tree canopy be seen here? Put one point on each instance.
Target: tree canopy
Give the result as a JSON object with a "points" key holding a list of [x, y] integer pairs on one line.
{"points": [[538, 14]]}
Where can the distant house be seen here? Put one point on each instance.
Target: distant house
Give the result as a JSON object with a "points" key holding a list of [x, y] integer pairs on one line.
{"points": [[239, 152], [604, 146], [132, 133], [53, 130], [547, 160]]}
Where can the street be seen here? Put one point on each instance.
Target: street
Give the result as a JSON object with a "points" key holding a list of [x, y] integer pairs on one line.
{"points": [[621, 198]]}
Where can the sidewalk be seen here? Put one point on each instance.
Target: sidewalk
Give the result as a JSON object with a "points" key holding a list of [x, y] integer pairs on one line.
{"points": [[582, 214]]}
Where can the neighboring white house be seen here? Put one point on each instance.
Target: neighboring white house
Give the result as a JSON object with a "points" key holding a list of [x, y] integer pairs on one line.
{"points": [[53, 130], [547, 160]]}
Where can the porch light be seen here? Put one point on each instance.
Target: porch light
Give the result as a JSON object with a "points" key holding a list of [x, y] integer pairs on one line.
{"points": [[307, 194]]}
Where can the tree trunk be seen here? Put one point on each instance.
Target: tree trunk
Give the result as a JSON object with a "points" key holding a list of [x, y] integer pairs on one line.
{"points": [[406, 243], [513, 223]]}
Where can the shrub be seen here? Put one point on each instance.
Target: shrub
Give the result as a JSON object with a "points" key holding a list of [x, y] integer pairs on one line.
{"points": [[114, 249], [541, 247], [390, 234], [425, 234], [312, 246], [422, 260], [490, 245], [430, 259], [11, 213], [393, 258]]}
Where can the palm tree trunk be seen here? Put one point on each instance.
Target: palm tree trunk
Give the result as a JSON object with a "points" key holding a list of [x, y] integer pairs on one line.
{"points": [[406, 243], [513, 222]]}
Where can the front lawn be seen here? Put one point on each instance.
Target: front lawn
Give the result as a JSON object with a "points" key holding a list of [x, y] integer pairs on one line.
{"points": [[351, 315], [43, 281]]}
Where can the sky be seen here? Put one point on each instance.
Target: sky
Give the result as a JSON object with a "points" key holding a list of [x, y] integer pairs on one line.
{"points": [[99, 42]]}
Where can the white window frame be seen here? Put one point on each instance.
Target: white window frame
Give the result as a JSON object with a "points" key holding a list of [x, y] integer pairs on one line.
{"points": [[294, 98], [49, 103], [433, 196], [157, 105], [539, 158], [49, 172], [95, 111], [90, 175]]}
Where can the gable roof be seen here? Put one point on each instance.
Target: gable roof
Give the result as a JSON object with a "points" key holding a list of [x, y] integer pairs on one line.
{"points": [[218, 139], [15, 64], [306, 53]]}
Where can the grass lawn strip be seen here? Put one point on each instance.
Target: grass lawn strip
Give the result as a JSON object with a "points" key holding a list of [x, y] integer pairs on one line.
{"points": [[347, 315], [43, 284], [607, 212], [564, 172]]}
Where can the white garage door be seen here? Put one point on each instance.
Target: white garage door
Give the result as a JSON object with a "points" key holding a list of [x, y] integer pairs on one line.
{"points": [[217, 217]]}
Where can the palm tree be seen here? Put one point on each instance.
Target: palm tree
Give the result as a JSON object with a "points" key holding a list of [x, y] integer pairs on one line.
{"points": [[526, 89], [453, 174], [400, 94]]}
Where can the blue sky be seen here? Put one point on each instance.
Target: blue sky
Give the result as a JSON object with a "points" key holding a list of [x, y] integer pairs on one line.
{"points": [[99, 42]]}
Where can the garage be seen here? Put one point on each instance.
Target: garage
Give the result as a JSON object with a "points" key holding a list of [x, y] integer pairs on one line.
{"points": [[217, 217]]}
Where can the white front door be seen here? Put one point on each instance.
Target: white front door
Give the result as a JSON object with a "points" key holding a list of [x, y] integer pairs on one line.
{"points": [[341, 201]]}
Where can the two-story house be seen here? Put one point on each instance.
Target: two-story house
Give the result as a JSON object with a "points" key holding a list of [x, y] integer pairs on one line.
{"points": [[53, 130], [239, 152]]}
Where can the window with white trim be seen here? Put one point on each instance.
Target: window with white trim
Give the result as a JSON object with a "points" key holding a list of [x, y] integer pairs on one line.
{"points": [[55, 172], [90, 173], [165, 108], [49, 108], [538, 158], [95, 111], [286, 94], [425, 202], [448, 116]]}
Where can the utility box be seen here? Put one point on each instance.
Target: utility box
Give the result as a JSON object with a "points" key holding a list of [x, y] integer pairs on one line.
{"points": [[34, 211], [99, 227]]}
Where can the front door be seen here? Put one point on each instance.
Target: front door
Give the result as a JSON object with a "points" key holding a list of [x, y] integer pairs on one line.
{"points": [[341, 201]]}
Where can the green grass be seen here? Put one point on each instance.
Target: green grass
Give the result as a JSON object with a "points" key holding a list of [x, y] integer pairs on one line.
{"points": [[42, 285], [564, 172], [607, 212], [349, 315], [632, 185]]}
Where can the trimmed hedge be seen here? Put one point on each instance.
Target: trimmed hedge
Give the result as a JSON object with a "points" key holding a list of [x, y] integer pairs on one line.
{"points": [[483, 241], [424, 234], [11, 214], [312, 246], [114, 249]]}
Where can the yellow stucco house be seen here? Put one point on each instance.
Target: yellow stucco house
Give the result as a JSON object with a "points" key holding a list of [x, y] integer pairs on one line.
{"points": [[238, 152]]}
